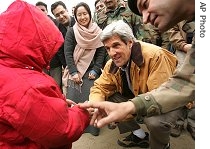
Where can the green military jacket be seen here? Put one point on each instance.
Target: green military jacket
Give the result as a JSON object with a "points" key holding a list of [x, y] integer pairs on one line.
{"points": [[121, 13]]}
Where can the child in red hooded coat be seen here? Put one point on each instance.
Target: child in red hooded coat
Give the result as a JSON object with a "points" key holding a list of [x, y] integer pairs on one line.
{"points": [[33, 112]]}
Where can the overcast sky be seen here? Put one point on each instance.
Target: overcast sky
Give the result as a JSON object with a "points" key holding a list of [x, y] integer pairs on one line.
{"points": [[69, 4]]}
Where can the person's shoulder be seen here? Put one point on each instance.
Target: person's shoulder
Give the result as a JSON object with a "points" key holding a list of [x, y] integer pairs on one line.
{"points": [[70, 33], [61, 27], [150, 50], [72, 21], [108, 63], [71, 29], [110, 66], [153, 47], [54, 20], [51, 17]]}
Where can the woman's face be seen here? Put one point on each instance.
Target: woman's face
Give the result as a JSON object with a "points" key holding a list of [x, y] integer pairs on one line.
{"points": [[83, 16]]}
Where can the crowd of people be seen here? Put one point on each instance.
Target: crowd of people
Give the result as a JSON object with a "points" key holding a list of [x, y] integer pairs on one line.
{"points": [[127, 63]]}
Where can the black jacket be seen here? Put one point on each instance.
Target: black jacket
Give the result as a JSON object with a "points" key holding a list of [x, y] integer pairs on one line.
{"points": [[59, 58]]}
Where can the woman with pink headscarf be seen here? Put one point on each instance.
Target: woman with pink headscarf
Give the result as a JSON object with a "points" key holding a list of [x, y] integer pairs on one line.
{"points": [[84, 53]]}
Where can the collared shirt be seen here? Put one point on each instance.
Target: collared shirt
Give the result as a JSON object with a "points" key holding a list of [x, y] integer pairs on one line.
{"points": [[127, 72]]}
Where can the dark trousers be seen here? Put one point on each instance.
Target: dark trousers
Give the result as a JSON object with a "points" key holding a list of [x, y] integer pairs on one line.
{"points": [[56, 74], [128, 125]]}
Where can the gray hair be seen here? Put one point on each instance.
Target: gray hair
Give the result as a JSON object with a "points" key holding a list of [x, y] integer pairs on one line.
{"points": [[119, 28]]}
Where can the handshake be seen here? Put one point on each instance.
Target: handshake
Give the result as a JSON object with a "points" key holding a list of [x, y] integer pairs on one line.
{"points": [[104, 112]]}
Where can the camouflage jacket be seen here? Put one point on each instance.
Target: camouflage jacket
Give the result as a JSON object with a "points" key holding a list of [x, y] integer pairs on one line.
{"points": [[100, 17], [177, 92], [143, 32], [151, 34], [121, 13]]}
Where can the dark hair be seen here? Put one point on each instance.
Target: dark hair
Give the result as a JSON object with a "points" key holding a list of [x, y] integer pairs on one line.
{"points": [[97, 2], [55, 5], [84, 5], [41, 4]]}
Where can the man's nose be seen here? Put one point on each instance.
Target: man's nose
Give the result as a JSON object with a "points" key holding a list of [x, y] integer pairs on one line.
{"points": [[112, 52]]}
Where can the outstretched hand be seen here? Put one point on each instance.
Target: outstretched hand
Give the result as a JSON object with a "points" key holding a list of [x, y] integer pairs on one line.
{"points": [[106, 112], [70, 102]]}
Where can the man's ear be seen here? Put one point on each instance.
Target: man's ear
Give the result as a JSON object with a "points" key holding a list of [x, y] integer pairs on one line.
{"points": [[130, 43]]}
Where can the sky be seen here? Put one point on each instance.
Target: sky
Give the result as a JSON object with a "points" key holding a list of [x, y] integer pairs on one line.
{"points": [[69, 4]]}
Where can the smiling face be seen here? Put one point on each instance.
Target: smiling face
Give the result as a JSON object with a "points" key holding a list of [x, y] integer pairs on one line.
{"points": [[83, 16], [118, 50], [164, 14], [61, 14]]}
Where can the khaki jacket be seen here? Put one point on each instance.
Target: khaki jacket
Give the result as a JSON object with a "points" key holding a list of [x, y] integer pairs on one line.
{"points": [[150, 67], [177, 35]]}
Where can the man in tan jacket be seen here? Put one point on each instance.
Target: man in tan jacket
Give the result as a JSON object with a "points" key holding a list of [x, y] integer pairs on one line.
{"points": [[181, 85], [135, 67]]}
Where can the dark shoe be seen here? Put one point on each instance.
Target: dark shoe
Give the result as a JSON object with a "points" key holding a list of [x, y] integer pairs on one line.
{"points": [[176, 130], [191, 130], [93, 130], [132, 140]]}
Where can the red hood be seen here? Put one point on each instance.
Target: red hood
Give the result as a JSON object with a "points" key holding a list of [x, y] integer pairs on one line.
{"points": [[28, 38]]}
